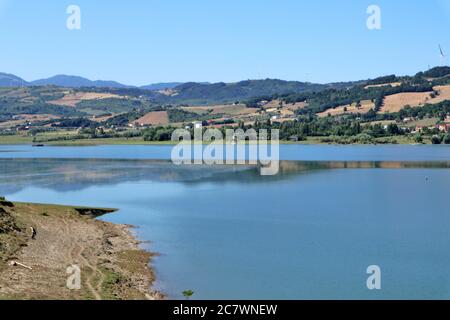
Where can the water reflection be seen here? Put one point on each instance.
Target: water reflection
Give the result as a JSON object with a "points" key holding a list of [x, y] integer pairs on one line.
{"points": [[78, 174]]}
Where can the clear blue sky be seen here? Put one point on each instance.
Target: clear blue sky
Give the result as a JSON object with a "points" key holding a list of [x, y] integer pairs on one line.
{"points": [[144, 41]]}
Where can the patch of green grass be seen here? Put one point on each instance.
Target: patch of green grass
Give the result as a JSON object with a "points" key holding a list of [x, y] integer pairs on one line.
{"points": [[15, 139], [18, 139], [427, 122], [110, 281], [108, 141], [94, 112]]}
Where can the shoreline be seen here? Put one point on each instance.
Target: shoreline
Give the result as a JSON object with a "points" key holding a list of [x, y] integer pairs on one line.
{"points": [[112, 264], [25, 140], [170, 144]]}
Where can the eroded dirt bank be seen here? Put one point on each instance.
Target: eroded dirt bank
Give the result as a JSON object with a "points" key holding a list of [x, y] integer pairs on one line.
{"points": [[111, 264]]}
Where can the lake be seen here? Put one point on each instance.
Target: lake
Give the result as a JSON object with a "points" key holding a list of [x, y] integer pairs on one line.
{"points": [[226, 232]]}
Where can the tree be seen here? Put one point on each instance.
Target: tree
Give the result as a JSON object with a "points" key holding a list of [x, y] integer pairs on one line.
{"points": [[436, 139], [188, 294], [393, 129], [447, 138], [418, 138], [379, 103]]}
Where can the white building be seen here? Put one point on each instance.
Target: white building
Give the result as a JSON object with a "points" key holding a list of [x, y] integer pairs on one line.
{"points": [[198, 125]]}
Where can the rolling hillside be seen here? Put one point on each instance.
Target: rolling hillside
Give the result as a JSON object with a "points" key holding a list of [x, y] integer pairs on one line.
{"points": [[76, 96], [10, 80], [76, 82], [216, 93], [161, 86], [191, 93]]}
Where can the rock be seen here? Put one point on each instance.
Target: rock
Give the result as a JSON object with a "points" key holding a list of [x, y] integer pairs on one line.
{"points": [[7, 222], [5, 203], [93, 212]]}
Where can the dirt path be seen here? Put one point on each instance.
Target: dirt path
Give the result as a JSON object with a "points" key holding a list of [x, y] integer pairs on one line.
{"points": [[91, 277], [76, 257]]}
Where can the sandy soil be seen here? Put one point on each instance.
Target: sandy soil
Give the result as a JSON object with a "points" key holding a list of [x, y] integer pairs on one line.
{"points": [[112, 265]]}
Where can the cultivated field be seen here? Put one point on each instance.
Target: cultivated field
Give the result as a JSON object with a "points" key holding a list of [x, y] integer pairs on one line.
{"points": [[396, 102], [72, 99], [102, 118], [366, 105], [382, 123], [295, 106], [290, 106], [231, 110], [444, 94], [154, 118], [393, 84], [23, 119], [427, 122]]}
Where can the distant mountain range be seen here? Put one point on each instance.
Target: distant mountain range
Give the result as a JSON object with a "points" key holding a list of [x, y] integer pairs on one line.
{"points": [[190, 92], [10, 80], [194, 93], [76, 82]]}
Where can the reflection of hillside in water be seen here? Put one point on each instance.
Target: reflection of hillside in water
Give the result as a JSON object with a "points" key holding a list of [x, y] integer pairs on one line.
{"points": [[297, 166], [69, 175], [291, 169]]}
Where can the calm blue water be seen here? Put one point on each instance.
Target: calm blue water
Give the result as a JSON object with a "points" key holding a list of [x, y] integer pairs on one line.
{"points": [[228, 233], [287, 152]]}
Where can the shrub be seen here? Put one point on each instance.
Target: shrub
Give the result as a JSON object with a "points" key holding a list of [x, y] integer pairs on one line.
{"points": [[447, 138], [418, 138], [436, 139]]}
